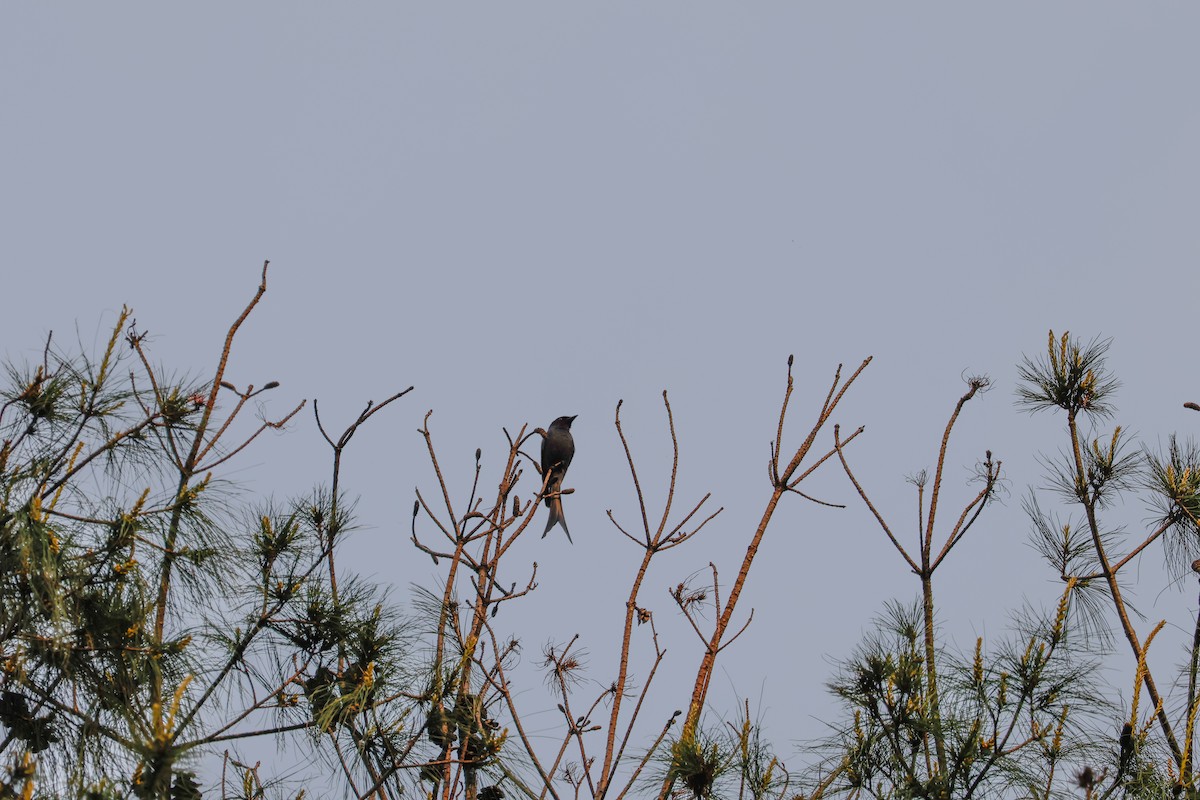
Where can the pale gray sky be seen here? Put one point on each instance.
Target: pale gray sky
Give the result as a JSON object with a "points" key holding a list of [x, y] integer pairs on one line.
{"points": [[536, 209]]}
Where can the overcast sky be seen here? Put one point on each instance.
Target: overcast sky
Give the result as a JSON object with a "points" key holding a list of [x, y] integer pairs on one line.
{"points": [[529, 210]]}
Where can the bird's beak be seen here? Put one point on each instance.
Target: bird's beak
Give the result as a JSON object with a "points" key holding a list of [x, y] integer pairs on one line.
{"points": [[574, 418]]}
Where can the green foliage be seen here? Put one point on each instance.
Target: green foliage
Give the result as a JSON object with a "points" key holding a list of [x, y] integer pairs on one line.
{"points": [[1007, 720], [1023, 717], [142, 620], [698, 764], [1071, 376]]}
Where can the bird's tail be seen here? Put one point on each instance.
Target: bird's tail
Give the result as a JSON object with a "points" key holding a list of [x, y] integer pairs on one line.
{"points": [[556, 517]]}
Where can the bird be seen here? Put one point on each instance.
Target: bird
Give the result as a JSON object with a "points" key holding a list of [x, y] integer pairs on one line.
{"points": [[558, 448]]}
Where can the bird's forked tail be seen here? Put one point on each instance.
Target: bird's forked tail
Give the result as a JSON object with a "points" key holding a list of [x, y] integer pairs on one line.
{"points": [[556, 517]]}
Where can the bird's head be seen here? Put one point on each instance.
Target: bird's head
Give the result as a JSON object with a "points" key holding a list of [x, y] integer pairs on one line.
{"points": [[563, 423]]}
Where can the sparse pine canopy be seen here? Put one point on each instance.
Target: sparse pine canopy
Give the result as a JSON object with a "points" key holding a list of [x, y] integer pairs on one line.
{"points": [[159, 626]]}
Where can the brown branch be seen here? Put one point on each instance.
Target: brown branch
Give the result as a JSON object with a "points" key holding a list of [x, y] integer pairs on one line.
{"points": [[674, 467], [1089, 506], [777, 445], [741, 630], [704, 673], [246, 443], [654, 543], [186, 473], [863, 494], [437, 469], [926, 545], [976, 505], [506, 693], [633, 471], [1159, 531], [649, 754], [637, 708], [622, 530]]}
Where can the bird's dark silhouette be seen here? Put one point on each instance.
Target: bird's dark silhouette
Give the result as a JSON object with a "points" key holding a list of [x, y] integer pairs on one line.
{"points": [[558, 448]]}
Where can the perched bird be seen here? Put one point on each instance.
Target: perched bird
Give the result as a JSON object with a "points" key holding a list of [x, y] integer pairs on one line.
{"points": [[558, 448]]}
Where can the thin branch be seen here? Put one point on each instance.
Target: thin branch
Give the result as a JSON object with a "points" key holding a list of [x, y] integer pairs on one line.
{"points": [[863, 494], [633, 471]]}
